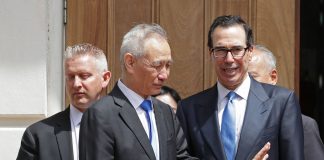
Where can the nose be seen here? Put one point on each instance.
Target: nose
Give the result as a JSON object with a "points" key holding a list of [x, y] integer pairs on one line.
{"points": [[229, 57], [164, 74], [77, 82]]}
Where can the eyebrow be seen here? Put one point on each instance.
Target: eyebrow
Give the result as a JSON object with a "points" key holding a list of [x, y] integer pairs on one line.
{"points": [[228, 47], [159, 61]]}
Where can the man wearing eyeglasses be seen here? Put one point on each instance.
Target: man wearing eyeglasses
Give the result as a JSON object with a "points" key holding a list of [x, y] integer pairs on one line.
{"points": [[238, 115]]}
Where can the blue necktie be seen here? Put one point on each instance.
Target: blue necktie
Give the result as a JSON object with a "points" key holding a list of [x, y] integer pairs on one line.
{"points": [[147, 107], [228, 127]]}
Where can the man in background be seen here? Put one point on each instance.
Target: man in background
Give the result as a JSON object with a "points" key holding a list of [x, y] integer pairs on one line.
{"points": [[263, 69], [169, 96], [57, 137]]}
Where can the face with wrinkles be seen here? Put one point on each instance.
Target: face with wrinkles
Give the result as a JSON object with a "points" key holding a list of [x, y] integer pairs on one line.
{"points": [[150, 71], [231, 71]]}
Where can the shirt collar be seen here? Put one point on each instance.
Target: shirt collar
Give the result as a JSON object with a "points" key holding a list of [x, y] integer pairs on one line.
{"points": [[75, 115], [132, 96], [242, 90]]}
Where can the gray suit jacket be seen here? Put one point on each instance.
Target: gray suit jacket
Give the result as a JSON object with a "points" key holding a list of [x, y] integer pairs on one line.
{"points": [[48, 139], [313, 145], [272, 114], [111, 129]]}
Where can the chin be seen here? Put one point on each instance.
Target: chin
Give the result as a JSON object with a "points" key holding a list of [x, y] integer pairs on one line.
{"points": [[155, 92], [82, 103]]}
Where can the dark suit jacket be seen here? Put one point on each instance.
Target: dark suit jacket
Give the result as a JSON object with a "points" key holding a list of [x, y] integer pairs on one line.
{"points": [[272, 114], [111, 129], [48, 139], [313, 145]]}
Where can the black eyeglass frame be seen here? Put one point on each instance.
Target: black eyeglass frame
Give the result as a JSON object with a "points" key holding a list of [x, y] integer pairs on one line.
{"points": [[229, 50]]}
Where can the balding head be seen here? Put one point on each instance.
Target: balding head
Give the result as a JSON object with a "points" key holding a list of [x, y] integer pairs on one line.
{"points": [[262, 66]]}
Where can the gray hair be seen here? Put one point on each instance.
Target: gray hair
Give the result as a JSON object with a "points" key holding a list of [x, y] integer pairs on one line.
{"points": [[267, 56], [86, 49], [134, 40]]}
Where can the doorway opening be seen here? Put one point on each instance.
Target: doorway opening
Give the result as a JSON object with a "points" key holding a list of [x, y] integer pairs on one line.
{"points": [[312, 60]]}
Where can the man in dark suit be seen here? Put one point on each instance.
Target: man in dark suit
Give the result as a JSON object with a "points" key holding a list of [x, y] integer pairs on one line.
{"points": [[263, 69], [236, 117], [119, 126], [56, 137]]}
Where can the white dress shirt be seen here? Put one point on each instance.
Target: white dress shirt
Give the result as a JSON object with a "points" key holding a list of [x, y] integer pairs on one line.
{"points": [[75, 119], [136, 101], [239, 102]]}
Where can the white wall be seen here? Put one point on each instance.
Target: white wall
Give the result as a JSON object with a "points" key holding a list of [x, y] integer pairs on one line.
{"points": [[31, 83]]}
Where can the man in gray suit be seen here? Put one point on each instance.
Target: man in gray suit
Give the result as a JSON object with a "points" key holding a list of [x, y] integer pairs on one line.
{"points": [[56, 137], [263, 69], [129, 123], [238, 115]]}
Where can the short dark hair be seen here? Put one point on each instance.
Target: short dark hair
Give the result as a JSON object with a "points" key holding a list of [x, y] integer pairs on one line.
{"points": [[228, 21], [168, 90]]}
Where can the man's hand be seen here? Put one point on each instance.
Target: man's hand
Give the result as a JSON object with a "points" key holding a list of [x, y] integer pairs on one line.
{"points": [[263, 153]]}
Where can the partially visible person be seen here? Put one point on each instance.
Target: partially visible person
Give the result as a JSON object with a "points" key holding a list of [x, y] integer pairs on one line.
{"points": [[238, 115], [263, 68], [129, 123], [169, 96], [57, 137]]}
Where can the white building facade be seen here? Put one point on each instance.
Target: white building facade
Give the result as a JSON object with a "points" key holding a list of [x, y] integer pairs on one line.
{"points": [[31, 71]]}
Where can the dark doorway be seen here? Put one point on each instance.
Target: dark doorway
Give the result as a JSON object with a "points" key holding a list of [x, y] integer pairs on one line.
{"points": [[312, 60]]}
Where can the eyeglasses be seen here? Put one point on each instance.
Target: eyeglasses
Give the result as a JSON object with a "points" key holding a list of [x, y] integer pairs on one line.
{"points": [[221, 52]]}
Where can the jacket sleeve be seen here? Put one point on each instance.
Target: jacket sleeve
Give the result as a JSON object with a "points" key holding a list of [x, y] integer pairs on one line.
{"points": [[291, 138], [96, 139], [313, 145], [28, 149]]}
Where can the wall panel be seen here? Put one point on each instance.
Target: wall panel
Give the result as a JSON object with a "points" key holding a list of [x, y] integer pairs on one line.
{"points": [[187, 23], [276, 30], [87, 22], [184, 23], [123, 15]]}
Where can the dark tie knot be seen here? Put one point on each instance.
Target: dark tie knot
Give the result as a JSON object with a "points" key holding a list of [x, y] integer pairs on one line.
{"points": [[231, 95], [146, 105]]}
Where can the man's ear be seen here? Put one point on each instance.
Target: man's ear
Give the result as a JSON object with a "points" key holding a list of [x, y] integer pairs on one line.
{"points": [[274, 76], [250, 49], [106, 78], [210, 51], [129, 62]]}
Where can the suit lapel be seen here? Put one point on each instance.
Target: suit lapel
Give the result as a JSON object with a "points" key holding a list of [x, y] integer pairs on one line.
{"points": [[208, 122], [63, 135], [130, 117], [161, 128], [255, 117]]}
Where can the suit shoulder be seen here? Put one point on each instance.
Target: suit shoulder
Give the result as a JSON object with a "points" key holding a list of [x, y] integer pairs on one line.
{"points": [[309, 123], [49, 122], [275, 90], [200, 96], [206, 98], [104, 103]]}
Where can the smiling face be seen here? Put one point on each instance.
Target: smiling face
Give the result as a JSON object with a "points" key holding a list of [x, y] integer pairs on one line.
{"points": [[231, 71], [148, 73], [84, 81]]}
